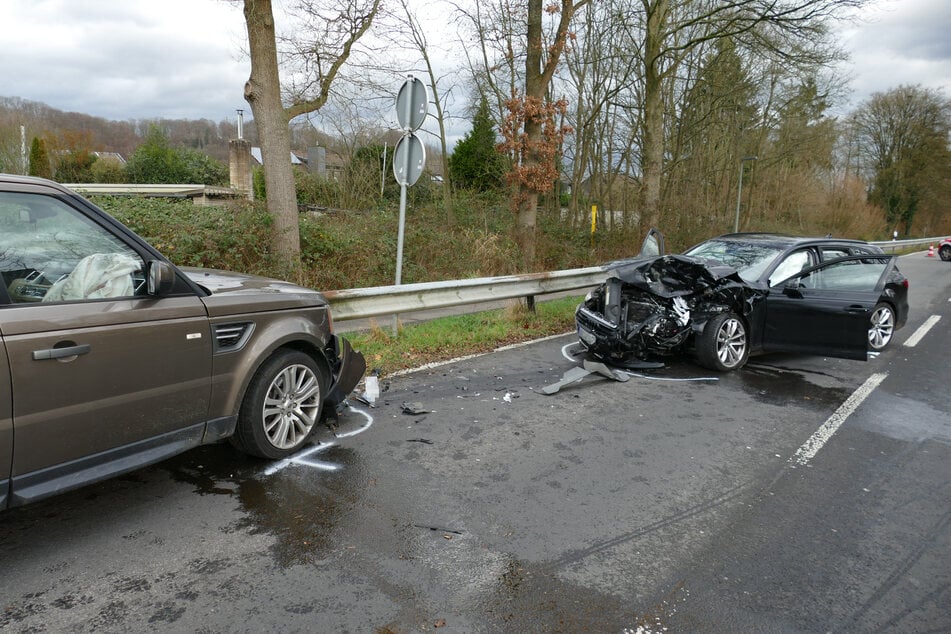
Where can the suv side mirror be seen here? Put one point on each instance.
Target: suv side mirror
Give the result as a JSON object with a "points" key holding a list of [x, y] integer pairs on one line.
{"points": [[161, 278]]}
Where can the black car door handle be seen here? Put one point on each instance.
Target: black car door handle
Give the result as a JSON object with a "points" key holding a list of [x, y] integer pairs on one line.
{"points": [[61, 353], [856, 310]]}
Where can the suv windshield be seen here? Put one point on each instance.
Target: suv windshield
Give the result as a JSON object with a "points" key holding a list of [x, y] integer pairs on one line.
{"points": [[749, 259]]}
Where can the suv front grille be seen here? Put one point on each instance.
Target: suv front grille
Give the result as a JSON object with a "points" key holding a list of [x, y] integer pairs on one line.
{"points": [[231, 337]]}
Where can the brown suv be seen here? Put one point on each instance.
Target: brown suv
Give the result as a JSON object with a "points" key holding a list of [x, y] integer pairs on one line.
{"points": [[112, 358]]}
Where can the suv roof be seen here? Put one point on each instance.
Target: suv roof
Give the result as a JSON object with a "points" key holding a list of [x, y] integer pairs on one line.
{"points": [[30, 180]]}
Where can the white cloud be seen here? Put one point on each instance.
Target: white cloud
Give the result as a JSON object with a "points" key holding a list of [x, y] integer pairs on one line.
{"points": [[899, 42], [140, 59], [131, 59]]}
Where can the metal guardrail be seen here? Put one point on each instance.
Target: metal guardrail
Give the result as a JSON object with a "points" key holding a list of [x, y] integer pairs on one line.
{"points": [[361, 303], [377, 301], [891, 246]]}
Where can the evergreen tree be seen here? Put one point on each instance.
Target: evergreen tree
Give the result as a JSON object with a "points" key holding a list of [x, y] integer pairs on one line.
{"points": [[903, 137], [475, 163], [40, 159]]}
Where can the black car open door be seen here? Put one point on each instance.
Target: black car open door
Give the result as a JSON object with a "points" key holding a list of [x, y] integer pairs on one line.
{"points": [[825, 309]]}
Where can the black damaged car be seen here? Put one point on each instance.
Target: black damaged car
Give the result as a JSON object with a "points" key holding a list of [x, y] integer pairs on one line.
{"points": [[744, 293]]}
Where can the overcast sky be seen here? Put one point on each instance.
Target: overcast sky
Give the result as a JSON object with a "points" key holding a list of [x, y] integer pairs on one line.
{"points": [[141, 59]]}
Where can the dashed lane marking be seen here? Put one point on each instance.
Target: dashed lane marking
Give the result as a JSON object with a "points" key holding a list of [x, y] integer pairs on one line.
{"points": [[916, 338], [811, 447]]}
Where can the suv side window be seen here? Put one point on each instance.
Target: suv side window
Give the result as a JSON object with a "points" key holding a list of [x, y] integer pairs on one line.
{"points": [[51, 252]]}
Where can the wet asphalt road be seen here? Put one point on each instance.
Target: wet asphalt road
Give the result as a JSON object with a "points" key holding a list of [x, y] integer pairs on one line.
{"points": [[666, 503]]}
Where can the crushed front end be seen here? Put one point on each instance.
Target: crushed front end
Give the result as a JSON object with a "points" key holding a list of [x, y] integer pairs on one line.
{"points": [[347, 366], [654, 307]]}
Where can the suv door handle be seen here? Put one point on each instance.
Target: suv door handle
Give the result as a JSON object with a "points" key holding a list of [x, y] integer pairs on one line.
{"points": [[61, 353]]}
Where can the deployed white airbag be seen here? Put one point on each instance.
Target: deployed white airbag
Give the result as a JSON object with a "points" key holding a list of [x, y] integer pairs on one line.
{"points": [[96, 276]]}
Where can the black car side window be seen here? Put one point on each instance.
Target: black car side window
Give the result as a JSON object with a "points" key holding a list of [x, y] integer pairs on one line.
{"points": [[51, 252], [832, 253], [792, 264], [853, 275]]}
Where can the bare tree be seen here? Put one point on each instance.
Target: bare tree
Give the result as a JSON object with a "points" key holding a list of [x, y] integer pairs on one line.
{"points": [[530, 118], [792, 31], [308, 93]]}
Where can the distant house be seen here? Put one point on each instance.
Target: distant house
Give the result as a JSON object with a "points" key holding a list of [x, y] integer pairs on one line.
{"points": [[110, 156], [318, 160], [258, 159]]}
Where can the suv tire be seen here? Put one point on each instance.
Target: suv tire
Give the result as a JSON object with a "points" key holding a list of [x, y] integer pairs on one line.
{"points": [[282, 406]]}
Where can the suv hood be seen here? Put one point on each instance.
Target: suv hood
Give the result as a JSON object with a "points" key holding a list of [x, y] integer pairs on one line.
{"points": [[230, 292]]}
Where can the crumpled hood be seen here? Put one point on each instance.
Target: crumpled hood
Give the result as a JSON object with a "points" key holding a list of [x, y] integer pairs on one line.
{"points": [[676, 275]]}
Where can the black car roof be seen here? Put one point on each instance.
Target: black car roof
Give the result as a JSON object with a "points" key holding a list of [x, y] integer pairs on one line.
{"points": [[781, 239]]}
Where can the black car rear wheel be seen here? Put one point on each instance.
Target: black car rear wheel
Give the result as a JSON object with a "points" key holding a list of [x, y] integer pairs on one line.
{"points": [[282, 405], [723, 345], [881, 327]]}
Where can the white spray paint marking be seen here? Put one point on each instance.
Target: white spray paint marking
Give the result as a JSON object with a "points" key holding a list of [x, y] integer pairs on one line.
{"points": [[916, 338], [304, 457], [564, 352], [668, 378], [811, 447], [362, 428]]}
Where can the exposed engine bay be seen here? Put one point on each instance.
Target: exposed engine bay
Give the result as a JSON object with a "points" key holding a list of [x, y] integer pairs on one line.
{"points": [[656, 306]]}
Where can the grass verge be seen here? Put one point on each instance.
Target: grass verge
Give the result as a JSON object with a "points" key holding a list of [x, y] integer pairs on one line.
{"points": [[451, 337]]}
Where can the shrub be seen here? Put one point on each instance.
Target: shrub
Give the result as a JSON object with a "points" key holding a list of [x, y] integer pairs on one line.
{"points": [[155, 161]]}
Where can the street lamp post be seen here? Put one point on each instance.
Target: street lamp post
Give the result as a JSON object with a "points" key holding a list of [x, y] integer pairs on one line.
{"points": [[739, 192]]}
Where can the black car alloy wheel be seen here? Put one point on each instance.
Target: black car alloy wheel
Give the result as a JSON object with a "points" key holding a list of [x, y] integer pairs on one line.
{"points": [[881, 327], [723, 345]]}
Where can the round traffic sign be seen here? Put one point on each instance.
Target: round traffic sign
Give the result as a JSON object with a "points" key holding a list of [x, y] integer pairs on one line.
{"points": [[411, 104], [409, 157]]}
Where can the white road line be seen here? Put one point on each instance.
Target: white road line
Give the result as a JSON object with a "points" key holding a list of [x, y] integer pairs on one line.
{"points": [[916, 338], [811, 447]]}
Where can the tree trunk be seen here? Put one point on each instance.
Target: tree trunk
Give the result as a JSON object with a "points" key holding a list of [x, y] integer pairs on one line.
{"points": [[534, 88], [652, 154], [263, 93]]}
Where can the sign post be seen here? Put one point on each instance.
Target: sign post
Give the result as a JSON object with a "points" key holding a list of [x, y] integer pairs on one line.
{"points": [[409, 157]]}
